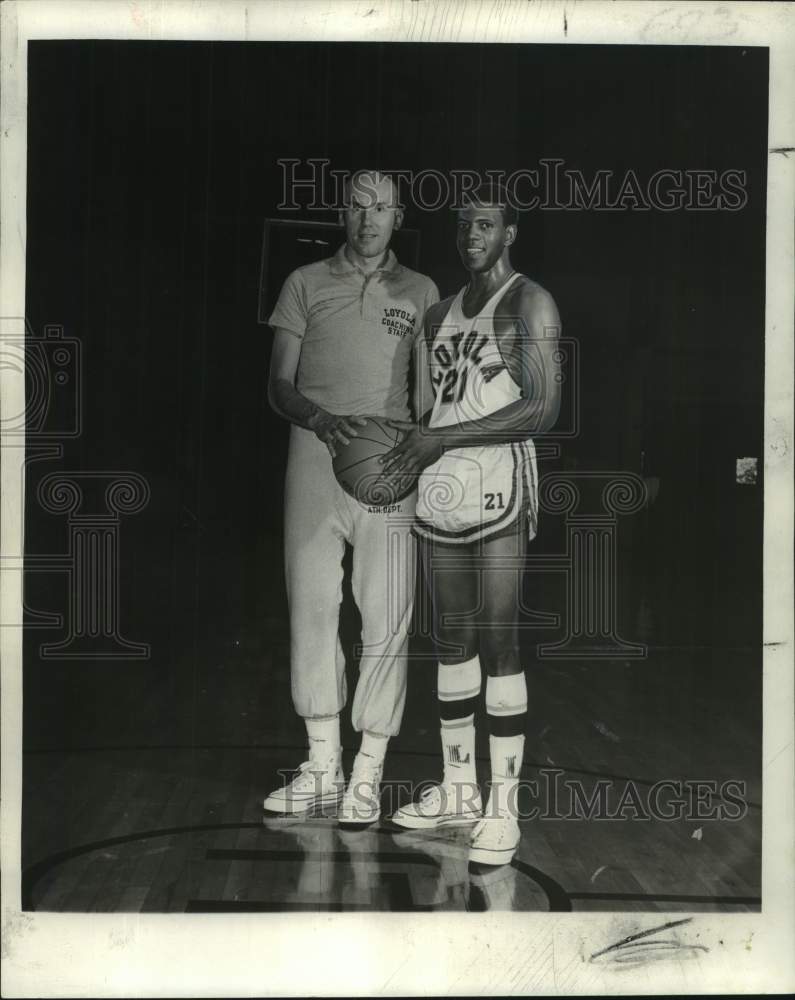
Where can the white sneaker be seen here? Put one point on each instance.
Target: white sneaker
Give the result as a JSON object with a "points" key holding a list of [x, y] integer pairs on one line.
{"points": [[494, 841], [446, 804], [318, 783], [361, 803]]}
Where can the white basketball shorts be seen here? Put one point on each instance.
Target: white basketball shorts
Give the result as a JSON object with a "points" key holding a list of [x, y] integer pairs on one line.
{"points": [[471, 494]]}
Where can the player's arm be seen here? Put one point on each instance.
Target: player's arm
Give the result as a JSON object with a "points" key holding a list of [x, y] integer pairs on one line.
{"points": [[532, 355], [292, 405], [536, 334]]}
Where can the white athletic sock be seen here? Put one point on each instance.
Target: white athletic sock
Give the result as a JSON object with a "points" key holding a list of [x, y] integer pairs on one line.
{"points": [[324, 737], [458, 686], [374, 745], [506, 762], [506, 705], [460, 772], [458, 749], [507, 695]]}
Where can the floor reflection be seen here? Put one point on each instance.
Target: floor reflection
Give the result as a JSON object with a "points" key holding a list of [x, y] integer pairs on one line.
{"points": [[447, 886], [323, 867]]}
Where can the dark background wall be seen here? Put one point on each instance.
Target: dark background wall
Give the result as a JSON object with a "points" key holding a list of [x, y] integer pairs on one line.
{"points": [[151, 170]]}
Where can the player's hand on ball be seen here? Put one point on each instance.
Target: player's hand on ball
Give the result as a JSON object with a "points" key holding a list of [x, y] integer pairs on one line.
{"points": [[333, 429], [419, 448]]}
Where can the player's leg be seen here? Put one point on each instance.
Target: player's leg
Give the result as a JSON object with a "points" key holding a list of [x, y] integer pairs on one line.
{"points": [[383, 581], [496, 838], [314, 542], [451, 575]]}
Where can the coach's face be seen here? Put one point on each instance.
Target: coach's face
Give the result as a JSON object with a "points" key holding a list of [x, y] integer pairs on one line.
{"points": [[482, 236], [371, 214]]}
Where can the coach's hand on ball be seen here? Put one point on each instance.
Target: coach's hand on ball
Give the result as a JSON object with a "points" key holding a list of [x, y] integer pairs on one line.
{"points": [[332, 429], [419, 448]]}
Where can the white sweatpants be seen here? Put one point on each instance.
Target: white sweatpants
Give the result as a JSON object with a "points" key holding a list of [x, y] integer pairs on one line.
{"points": [[319, 518]]}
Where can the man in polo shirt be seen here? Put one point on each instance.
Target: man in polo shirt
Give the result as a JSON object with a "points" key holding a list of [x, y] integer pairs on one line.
{"points": [[346, 331]]}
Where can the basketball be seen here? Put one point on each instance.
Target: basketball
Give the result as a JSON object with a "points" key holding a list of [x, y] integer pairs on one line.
{"points": [[359, 472]]}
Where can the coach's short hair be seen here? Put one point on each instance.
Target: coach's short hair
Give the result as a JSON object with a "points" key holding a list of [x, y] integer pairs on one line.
{"points": [[377, 176], [493, 194]]}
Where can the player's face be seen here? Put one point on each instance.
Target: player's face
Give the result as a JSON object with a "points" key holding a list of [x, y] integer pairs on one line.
{"points": [[482, 236], [371, 215]]}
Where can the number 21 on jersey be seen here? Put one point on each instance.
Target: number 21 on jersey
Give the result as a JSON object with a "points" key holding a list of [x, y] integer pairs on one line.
{"points": [[451, 378]]}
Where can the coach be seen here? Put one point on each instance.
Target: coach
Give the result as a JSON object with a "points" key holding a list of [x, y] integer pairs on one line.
{"points": [[347, 330]]}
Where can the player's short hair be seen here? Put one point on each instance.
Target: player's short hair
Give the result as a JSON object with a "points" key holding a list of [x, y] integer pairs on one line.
{"points": [[492, 194]]}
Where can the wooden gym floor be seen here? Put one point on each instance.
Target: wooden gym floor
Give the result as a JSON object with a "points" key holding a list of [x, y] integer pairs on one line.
{"points": [[178, 826]]}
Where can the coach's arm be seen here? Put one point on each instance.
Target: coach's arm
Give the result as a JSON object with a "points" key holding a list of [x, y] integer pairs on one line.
{"points": [[292, 405]]}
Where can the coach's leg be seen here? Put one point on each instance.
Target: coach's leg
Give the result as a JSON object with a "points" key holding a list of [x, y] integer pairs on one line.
{"points": [[314, 545], [315, 530], [383, 581]]}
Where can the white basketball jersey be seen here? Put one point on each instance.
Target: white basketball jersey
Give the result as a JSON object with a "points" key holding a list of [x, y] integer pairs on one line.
{"points": [[474, 492], [468, 374]]}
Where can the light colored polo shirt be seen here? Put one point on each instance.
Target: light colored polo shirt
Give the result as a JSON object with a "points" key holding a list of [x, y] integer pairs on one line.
{"points": [[357, 332]]}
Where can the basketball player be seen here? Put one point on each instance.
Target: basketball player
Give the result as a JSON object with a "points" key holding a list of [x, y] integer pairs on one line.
{"points": [[492, 353], [346, 331]]}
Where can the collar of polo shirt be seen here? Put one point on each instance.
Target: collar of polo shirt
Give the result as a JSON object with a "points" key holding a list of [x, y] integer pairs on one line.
{"points": [[341, 265]]}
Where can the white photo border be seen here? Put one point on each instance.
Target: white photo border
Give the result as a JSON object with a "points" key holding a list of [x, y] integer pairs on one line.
{"points": [[66, 955]]}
